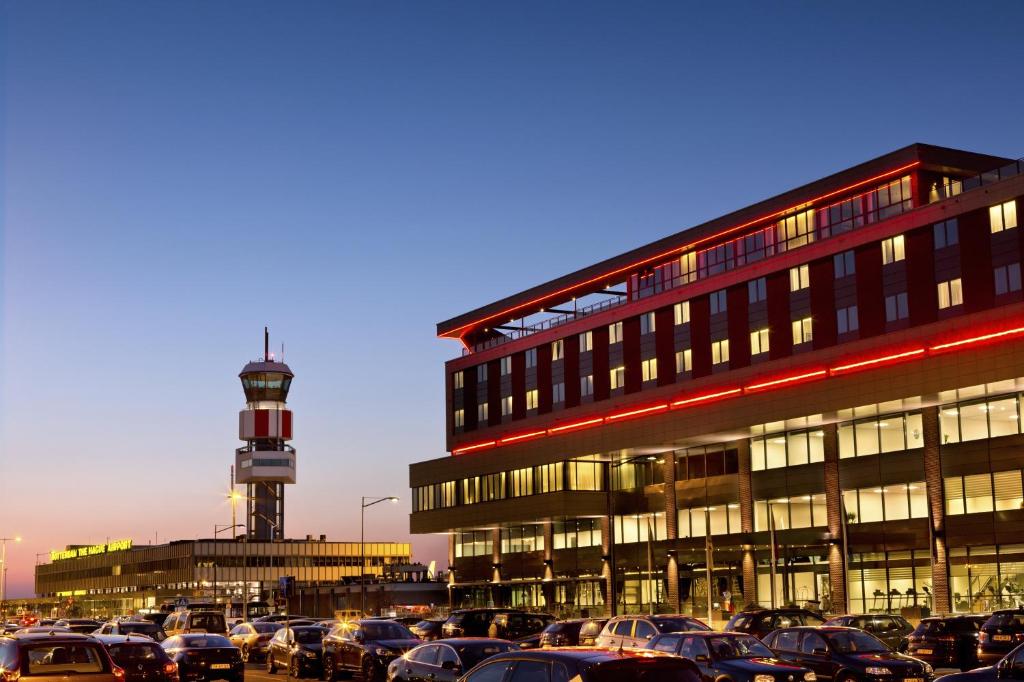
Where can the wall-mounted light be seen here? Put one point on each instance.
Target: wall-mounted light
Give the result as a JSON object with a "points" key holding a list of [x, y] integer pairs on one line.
{"points": [[549, 563]]}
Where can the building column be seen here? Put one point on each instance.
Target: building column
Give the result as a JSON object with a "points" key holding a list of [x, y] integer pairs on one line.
{"points": [[548, 587], [496, 556], [451, 569], [747, 522], [834, 511], [671, 530], [606, 569], [941, 602]]}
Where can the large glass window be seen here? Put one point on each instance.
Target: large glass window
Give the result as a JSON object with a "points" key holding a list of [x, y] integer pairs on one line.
{"points": [[586, 475], [549, 478], [886, 503], [723, 519], [886, 582], [473, 543], [787, 449], [640, 528], [986, 578], [576, 533], [803, 511], [889, 433], [522, 539], [988, 418], [986, 492]]}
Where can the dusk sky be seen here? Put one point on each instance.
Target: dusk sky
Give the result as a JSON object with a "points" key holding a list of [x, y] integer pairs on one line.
{"points": [[176, 175]]}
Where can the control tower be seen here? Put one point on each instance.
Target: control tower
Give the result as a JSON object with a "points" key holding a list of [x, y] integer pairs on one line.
{"points": [[266, 463]]}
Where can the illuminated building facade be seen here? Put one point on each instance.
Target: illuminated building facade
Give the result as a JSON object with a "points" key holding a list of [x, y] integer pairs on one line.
{"points": [[819, 396]]}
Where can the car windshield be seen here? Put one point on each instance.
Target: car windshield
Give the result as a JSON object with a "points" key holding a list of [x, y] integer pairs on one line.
{"points": [[1003, 620], [383, 630], [309, 635], [207, 622], [144, 628], [724, 648], [62, 659], [678, 625], [471, 654], [425, 625], [267, 627], [855, 641], [206, 642]]}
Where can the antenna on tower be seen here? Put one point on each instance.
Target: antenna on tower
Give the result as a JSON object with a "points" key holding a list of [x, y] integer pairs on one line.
{"points": [[266, 344]]}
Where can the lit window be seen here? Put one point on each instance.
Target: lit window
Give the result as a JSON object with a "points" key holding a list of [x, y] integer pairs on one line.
{"points": [[844, 264], [759, 341], [802, 331], [1007, 278], [618, 377], [796, 230], [587, 385], [481, 373], [892, 249], [558, 392], [647, 323], [718, 304], [649, 369], [506, 365], [946, 233], [757, 290], [799, 277], [681, 312], [531, 399], [846, 320], [950, 293], [615, 333], [896, 307], [531, 358], [481, 412], [684, 361], [586, 342], [557, 350], [719, 351], [1002, 216], [457, 380], [460, 418]]}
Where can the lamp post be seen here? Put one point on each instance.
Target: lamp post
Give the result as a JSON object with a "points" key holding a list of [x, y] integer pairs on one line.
{"points": [[234, 497], [362, 543], [3, 580], [217, 530]]}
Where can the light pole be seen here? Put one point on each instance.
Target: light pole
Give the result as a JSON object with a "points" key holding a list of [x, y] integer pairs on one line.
{"points": [[3, 580], [217, 530], [362, 543], [235, 497]]}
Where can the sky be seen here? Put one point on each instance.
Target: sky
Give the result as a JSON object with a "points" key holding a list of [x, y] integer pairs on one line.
{"points": [[176, 175]]}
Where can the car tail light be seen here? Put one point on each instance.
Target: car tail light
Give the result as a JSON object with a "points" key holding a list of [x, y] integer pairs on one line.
{"points": [[118, 672], [947, 638], [170, 668], [983, 637], [9, 675]]}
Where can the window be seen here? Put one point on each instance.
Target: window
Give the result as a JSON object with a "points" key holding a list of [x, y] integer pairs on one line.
{"points": [[475, 543], [522, 539], [681, 313], [522, 482], [896, 307], [457, 380], [558, 392], [481, 412], [615, 333], [796, 230], [647, 323], [802, 511], [460, 418], [997, 491], [587, 385], [531, 399], [846, 319], [799, 277], [684, 361], [759, 341], [549, 478], [649, 369], [586, 342], [950, 294], [791, 448], [718, 304], [1002, 216], [1007, 278], [576, 533], [978, 420], [719, 351], [802, 331], [892, 249], [844, 264], [888, 503], [618, 377], [531, 358], [889, 433], [946, 233], [481, 373], [757, 290], [506, 406], [506, 365], [586, 475]]}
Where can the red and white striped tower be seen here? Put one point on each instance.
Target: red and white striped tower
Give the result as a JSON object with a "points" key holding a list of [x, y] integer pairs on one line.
{"points": [[266, 463]]}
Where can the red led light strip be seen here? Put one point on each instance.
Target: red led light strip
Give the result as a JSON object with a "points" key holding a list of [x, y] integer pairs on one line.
{"points": [[759, 387], [454, 333]]}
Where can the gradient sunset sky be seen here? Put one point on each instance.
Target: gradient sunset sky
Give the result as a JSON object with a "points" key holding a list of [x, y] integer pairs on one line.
{"points": [[176, 175]]}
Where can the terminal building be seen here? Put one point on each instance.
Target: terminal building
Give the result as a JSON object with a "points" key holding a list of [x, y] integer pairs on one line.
{"points": [[813, 398]]}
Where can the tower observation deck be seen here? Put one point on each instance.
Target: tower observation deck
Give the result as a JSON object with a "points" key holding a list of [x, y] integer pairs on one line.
{"points": [[267, 462]]}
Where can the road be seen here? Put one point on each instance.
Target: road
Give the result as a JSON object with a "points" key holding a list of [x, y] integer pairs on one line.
{"points": [[257, 672]]}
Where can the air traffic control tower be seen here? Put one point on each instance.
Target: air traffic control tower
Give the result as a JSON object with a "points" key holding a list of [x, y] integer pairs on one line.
{"points": [[266, 463]]}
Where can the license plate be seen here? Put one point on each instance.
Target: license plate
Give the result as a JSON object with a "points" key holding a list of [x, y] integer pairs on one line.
{"points": [[220, 666], [923, 652], [1001, 638], [913, 679]]}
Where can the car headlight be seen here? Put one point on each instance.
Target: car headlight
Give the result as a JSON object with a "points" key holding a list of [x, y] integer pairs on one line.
{"points": [[763, 678], [928, 670], [810, 676], [877, 670], [309, 654]]}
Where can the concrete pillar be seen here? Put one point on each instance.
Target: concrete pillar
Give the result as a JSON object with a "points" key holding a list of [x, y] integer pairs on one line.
{"points": [[941, 602], [548, 587], [749, 563], [834, 512], [671, 529], [606, 568], [496, 555]]}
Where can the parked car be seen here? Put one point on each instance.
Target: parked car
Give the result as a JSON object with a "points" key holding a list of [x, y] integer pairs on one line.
{"points": [[730, 656], [428, 629], [590, 630], [892, 630], [759, 622], [43, 631], [141, 658], [365, 647], [947, 642], [637, 631], [252, 639], [584, 665], [280, 617], [845, 654], [157, 618], [563, 633], [205, 656], [1000, 634], [1009, 667], [445, 659], [296, 649], [56, 657], [471, 622], [140, 627], [83, 626], [515, 626], [187, 622]]}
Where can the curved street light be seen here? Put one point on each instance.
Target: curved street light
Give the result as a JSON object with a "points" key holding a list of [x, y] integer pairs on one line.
{"points": [[362, 543]]}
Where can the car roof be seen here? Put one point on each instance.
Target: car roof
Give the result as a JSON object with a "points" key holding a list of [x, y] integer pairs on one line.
{"points": [[820, 628], [51, 636], [125, 639], [707, 633], [464, 641], [588, 654]]}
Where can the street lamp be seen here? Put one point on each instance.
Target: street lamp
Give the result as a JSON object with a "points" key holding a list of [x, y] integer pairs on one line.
{"points": [[362, 543], [217, 530], [3, 580]]}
